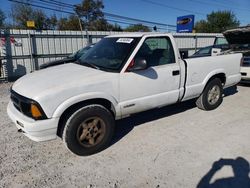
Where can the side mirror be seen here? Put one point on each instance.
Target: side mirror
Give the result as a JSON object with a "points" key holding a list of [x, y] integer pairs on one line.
{"points": [[184, 54], [215, 51], [139, 64]]}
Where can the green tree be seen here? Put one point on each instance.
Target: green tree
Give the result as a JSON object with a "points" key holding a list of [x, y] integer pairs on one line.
{"points": [[2, 18], [114, 27], [91, 10], [21, 13], [39, 17], [92, 16], [51, 23], [88, 13], [217, 22], [70, 23], [137, 27]]}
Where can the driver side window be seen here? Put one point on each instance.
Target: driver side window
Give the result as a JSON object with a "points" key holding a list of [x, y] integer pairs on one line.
{"points": [[156, 51]]}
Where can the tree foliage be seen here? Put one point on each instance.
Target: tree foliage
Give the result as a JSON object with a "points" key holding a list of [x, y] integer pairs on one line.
{"points": [[114, 27], [90, 9], [137, 27], [2, 18], [21, 13], [69, 23], [51, 22], [92, 17], [217, 22]]}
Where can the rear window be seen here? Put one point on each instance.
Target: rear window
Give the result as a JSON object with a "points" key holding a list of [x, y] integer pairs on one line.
{"points": [[220, 40]]}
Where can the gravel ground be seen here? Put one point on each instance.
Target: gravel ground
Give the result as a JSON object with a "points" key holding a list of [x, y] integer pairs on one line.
{"points": [[172, 147]]}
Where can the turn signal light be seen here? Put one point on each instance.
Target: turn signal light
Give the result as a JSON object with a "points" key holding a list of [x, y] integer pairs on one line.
{"points": [[35, 111], [242, 61]]}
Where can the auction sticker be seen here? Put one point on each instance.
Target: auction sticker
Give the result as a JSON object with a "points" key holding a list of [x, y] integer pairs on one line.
{"points": [[125, 40]]}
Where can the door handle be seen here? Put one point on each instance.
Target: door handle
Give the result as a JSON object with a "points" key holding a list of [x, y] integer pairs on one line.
{"points": [[176, 72]]}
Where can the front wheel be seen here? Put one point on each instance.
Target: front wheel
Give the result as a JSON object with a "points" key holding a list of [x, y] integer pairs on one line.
{"points": [[89, 130], [211, 97]]}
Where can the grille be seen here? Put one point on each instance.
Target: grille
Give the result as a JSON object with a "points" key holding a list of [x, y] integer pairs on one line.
{"points": [[21, 103]]}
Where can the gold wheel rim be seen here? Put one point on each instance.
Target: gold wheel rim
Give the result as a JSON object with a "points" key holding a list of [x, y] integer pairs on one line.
{"points": [[91, 132]]}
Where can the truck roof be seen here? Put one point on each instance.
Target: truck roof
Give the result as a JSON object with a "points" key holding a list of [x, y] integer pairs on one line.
{"points": [[138, 34]]}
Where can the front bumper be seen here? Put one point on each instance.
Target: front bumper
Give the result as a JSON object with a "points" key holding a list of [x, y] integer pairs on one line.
{"points": [[37, 130]]}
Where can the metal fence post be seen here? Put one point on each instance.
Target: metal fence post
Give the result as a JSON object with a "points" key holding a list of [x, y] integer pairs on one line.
{"points": [[9, 61], [34, 52], [196, 42], [2, 76], [31, 52]]}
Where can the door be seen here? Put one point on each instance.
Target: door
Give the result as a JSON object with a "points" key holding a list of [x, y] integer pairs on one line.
{"points": [[157, 85]]}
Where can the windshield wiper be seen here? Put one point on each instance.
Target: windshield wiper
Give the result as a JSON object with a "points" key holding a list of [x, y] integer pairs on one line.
{"points": [[87, 64]]}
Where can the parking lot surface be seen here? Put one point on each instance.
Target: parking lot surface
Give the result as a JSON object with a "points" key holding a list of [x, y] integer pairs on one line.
{"points": [[179, 146]]}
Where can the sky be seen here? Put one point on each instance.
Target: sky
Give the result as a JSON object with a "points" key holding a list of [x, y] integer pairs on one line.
{"points": [[163, 11]]}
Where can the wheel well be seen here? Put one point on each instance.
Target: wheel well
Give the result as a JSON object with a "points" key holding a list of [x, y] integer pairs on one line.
{"points": [[70, 110], [221, 76]]}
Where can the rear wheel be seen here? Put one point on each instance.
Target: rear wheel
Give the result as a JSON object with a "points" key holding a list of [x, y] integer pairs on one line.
{"points": [[89, 130], [211, 97]]}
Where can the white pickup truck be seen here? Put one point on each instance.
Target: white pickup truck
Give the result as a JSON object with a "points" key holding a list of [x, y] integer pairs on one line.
{"points": [[121, 75]]}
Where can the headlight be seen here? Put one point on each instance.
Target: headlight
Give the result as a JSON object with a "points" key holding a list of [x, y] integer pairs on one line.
{"points": [[27, 106]]}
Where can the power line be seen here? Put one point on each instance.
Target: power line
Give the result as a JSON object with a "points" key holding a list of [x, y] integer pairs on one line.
{"points": [[45, 3], [171, 7], [115, 15], [152, 24], [38, 6], [122, 22], [218, 4], [57, 3], [197, 1], [138, 20], [67, 4]]}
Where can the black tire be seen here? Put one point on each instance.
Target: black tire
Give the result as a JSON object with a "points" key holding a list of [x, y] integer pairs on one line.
{"points": [[205, 102], [81, 134]]}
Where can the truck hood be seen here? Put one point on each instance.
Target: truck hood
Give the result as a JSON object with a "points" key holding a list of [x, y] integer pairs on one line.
{"points": [[57, 62], [51, 87], [239, 35]]}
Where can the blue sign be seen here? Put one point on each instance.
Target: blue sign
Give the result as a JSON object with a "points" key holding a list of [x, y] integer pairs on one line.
{"points": [[185, 24]]}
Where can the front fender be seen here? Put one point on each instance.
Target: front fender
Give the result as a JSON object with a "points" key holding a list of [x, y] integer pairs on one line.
{"points": [[83, 97]]}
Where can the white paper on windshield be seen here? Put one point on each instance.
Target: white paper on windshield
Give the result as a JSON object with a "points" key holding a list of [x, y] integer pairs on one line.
{"points": [[125, 40]]}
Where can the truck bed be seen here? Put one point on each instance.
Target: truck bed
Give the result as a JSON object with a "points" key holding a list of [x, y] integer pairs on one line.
{"points": [[200, 70]]}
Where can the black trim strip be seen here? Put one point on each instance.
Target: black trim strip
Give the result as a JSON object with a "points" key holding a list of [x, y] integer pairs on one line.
{"points": [[185, 81]]}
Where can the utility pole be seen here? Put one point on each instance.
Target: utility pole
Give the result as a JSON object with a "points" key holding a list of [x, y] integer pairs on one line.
{"points": [[80, 23], [87, 27]]}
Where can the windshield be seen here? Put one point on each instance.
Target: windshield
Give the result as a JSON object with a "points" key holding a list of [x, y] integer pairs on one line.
{"points": [[110, 53], [80, 52], [203, 51]]}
